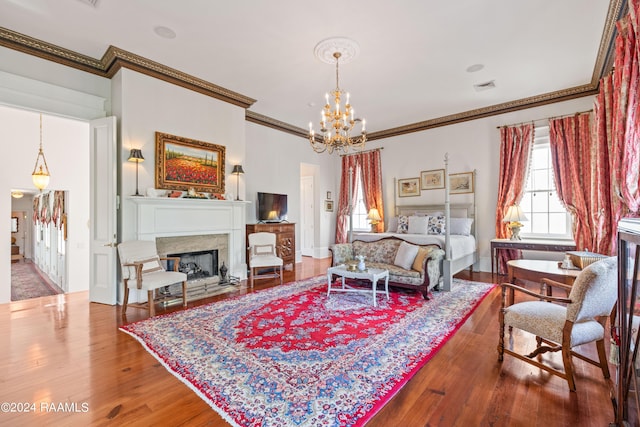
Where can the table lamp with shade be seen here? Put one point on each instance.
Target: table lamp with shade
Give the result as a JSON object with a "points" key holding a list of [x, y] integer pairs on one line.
{"points": [[374, 218], [237, 171], [514, 217]]}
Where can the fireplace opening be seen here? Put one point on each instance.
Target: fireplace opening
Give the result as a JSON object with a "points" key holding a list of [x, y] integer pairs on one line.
{"points": [[196, 265]]}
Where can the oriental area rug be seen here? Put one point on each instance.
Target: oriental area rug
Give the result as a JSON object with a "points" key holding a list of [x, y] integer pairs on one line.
{"points": [[291, 356]]}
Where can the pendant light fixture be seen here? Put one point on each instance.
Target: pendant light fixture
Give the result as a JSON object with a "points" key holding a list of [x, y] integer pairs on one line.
{"points": [[40, 173]]}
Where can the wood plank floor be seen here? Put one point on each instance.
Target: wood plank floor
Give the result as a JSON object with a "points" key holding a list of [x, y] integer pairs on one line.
{"points": [[67, 358]]}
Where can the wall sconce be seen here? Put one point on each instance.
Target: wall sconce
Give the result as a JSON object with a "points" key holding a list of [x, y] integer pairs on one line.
{"points": [[237, 171], [136, 156]]}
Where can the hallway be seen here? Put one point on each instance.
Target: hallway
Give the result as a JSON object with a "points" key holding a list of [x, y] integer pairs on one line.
{"points": [[27, 282]]}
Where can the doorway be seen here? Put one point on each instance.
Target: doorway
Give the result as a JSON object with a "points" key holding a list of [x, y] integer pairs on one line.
{"points": [[307, 210], [65, 145]]}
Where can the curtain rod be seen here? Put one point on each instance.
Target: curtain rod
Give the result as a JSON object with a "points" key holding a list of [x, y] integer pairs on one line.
{"points": [[545, 118], [360, 152]]}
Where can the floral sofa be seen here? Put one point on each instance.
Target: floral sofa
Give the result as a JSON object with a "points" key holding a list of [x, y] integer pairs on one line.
{"points": [[421, 272]]}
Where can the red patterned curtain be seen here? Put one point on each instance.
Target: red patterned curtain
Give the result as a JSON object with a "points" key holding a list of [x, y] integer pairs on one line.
{"points": [[349, 167], [371, 173], [516, 143], [578, 172], [625, 122]]}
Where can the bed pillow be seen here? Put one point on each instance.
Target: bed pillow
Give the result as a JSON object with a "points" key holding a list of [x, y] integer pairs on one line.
{"points": [[418, 225], [403, 224], [437, 224], [460, 226], [406, 255], [392, 227]]}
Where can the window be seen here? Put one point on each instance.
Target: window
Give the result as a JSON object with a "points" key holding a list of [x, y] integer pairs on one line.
{"points": [[360, 221], [547, 216]]}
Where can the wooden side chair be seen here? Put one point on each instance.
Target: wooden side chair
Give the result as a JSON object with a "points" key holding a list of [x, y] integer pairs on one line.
{"points": [[562, 327], [262, 255], [142, 269]]}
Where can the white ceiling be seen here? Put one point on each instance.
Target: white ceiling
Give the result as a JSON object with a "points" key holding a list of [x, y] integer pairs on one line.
{"points": [[412, 61]]}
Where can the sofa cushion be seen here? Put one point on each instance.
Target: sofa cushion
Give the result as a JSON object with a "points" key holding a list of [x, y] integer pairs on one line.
{"points": [[395, 272], [380, 251], [405, 255], [393, 225], [419, 261]]}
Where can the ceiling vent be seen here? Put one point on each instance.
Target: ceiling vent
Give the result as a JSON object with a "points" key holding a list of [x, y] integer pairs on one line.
{"points": [[92, 3], [485, 86]]}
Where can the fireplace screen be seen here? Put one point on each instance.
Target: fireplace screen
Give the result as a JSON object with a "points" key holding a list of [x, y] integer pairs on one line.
{"points": [[196, 265]]}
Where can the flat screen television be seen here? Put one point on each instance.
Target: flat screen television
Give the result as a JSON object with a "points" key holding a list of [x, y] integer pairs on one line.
{"points": [[272, 207]]}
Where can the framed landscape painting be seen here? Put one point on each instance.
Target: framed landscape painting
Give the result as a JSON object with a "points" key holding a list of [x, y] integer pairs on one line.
{"points": [[409, 187], [183, 163], [461, 183], [432, 180]]}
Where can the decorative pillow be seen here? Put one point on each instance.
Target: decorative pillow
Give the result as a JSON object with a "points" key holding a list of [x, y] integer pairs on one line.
{"points": [[437, 224], [418, 225], [406, 255], [460, 226], [422, 254], [403, 224], [393, 225]]}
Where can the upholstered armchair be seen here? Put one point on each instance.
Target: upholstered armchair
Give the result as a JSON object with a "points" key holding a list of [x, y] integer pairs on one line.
{"points": [[142, 269], [262, 255], [557, 327]]}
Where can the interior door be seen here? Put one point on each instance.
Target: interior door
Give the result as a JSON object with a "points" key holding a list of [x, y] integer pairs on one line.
{"points": [[307, 223], [103, 212]]}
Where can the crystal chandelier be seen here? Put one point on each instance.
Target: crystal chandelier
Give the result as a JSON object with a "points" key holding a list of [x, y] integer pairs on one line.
{"points": [[337, 121], [40, 174]]}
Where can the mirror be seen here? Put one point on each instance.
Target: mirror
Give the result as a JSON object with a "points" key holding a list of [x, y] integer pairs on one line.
{"points": [[14, 224]]}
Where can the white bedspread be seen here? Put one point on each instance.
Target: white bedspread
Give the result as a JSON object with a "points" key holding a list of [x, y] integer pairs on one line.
{"points": [[460, 245]]}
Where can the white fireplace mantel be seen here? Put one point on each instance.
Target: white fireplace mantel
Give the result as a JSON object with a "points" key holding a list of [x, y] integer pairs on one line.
{"points": [[164, 217]]}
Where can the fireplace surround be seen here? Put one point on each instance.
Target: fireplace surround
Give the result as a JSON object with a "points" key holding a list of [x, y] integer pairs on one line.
{"points": [[191, 225]]}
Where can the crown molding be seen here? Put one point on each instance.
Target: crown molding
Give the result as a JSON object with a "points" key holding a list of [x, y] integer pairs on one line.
{"points": [[114, 59], [493, 110], [267, 121]]}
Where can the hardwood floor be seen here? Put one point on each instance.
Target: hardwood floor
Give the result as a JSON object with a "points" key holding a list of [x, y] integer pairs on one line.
{"points": [[67, 358]]}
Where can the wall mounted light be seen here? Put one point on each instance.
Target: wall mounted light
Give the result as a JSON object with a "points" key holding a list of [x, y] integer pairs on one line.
{"points": [[237, 171], [136, 156]]}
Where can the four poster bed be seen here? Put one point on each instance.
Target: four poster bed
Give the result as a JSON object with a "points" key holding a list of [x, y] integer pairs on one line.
{"points": [[458, 238]]}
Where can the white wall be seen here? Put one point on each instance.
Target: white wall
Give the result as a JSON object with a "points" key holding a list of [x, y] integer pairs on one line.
{"points": [[66, 147], [471, 145], [145, 105], [273, 165]]}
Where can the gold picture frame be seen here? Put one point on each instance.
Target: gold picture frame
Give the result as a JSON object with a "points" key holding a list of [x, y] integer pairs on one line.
{"points": [[461, 183], [408, 187], [183, 163], [432, 180]]}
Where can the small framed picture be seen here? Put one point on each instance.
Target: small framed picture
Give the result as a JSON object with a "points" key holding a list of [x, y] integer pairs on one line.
{"points": [[328, 195], [409, 187], [328, 205], [461, 183], [432, 180]]}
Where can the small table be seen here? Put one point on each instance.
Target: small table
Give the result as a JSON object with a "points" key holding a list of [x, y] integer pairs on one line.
{"points": [[529, 245], [535, 270], [371, 274]]}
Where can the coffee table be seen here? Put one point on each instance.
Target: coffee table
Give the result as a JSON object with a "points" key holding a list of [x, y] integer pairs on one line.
{"points": [[371, 274]]}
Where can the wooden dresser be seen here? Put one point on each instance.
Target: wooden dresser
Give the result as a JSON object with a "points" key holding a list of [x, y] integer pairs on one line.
{"points": [[285, 240]]}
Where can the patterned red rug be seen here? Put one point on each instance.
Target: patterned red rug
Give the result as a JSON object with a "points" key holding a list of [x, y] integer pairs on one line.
{"points": [[290, 356], [28, 282]]}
